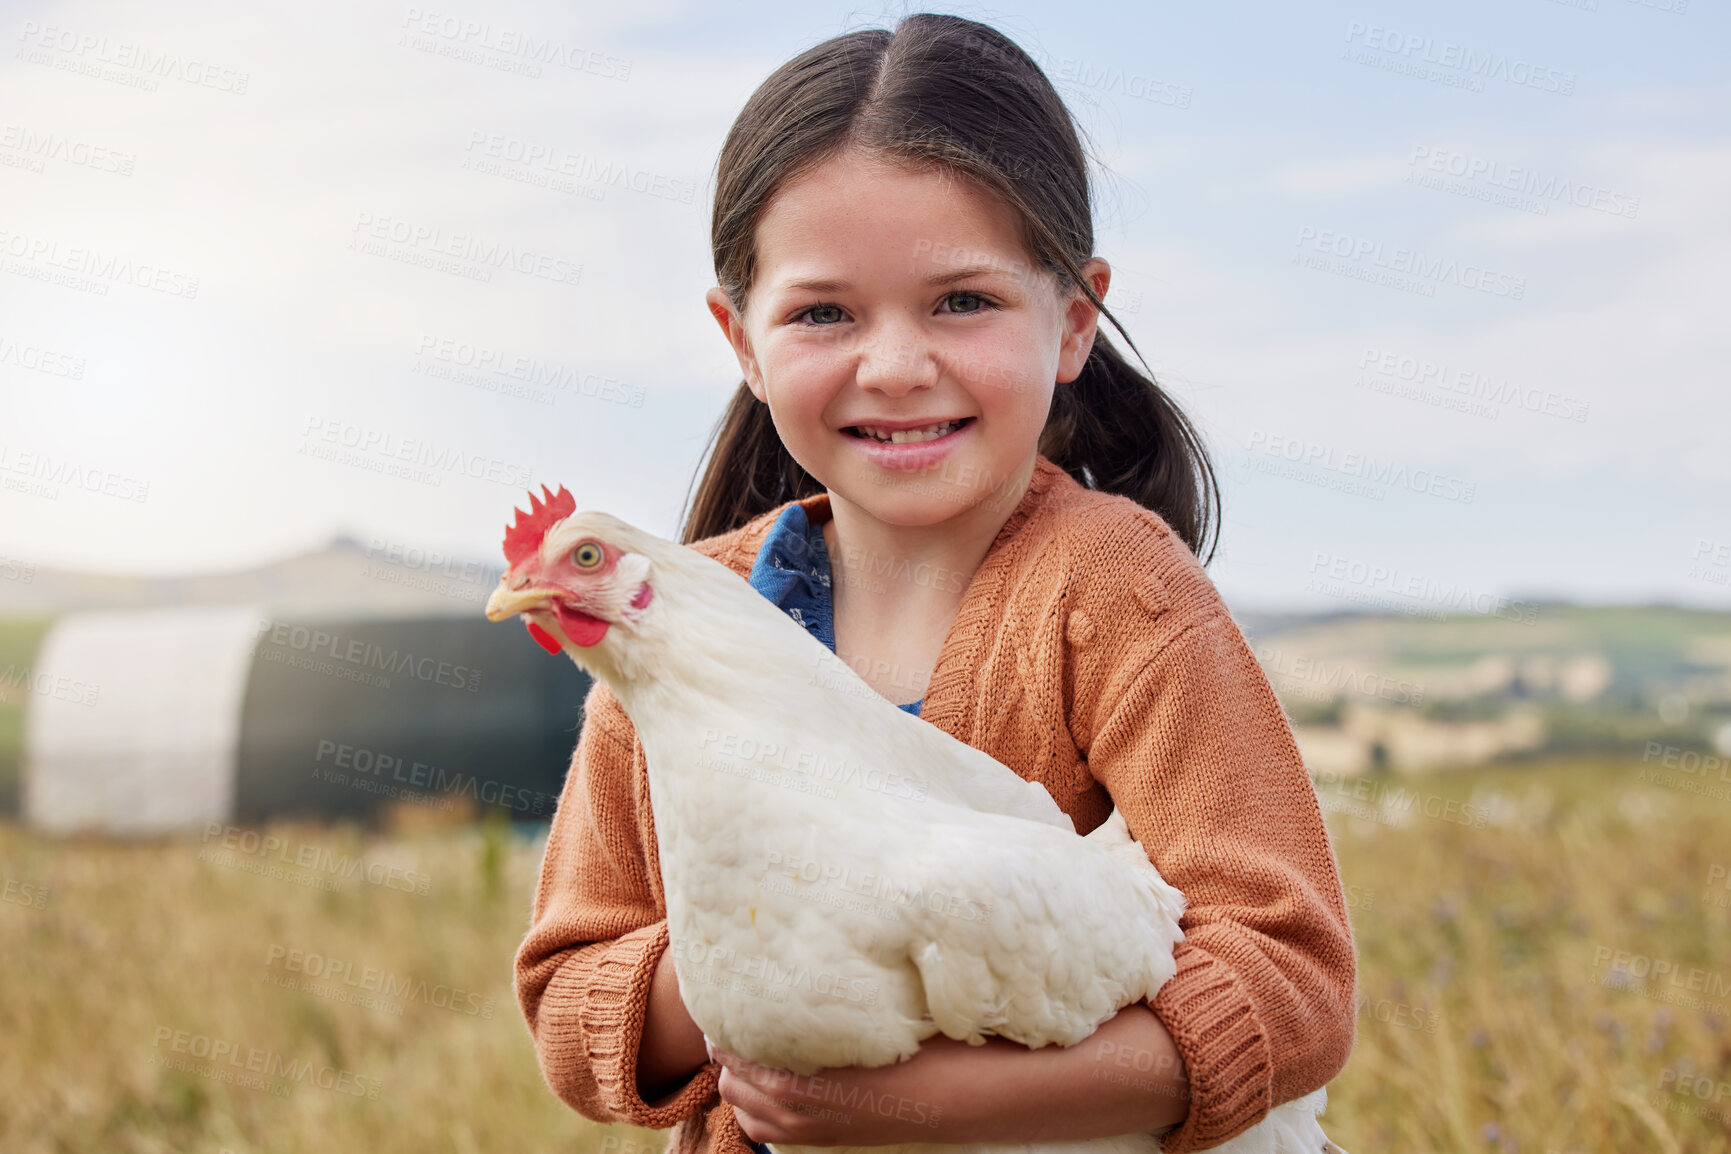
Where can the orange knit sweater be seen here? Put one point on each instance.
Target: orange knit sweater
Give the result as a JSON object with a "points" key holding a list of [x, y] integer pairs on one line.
{"points": [[1091, 654]]}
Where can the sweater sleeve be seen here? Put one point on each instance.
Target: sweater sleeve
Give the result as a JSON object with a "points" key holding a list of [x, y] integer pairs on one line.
{"points": [[1200, 760], [597, 931]]}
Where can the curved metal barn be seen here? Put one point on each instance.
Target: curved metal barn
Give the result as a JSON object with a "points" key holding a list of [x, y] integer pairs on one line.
{"points": [[174, 718]]}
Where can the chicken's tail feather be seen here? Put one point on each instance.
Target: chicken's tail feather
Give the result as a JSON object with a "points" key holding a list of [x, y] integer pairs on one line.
{"points": [[948, 983]]}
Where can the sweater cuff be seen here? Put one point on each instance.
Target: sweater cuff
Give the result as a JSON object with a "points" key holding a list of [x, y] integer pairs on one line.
{"points": [[1225, 1050], [611, 1017]]}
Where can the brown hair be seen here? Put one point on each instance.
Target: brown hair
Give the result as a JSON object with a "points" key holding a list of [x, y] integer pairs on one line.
{"points": [[943, 93]]}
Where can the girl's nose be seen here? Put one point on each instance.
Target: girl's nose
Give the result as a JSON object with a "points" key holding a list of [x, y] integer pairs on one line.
{"points": [[895, 360]]}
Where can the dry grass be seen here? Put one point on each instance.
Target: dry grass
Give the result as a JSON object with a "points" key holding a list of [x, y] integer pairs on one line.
{"points": [[1492, 930], [134, 939], [1539, 1041]]}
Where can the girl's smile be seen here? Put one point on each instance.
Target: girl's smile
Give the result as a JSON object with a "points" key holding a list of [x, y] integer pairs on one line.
{"points": [[909, 445]]}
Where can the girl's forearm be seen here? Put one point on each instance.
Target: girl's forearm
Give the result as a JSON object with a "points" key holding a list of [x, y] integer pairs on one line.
{"points": [[1126, 1078], [672, 1049]]}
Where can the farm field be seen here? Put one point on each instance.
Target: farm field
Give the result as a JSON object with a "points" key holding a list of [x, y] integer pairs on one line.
{"points": [[316, 988]]}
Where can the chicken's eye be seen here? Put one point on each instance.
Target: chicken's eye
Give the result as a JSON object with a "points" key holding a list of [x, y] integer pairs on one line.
{"points": [[586, 555]]}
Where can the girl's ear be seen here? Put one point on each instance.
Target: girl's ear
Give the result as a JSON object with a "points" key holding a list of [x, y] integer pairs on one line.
{"points": [[733, 327], [1081, 321]]}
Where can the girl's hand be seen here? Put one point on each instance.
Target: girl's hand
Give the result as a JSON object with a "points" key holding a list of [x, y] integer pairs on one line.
{"points": [[1126, 1078]]}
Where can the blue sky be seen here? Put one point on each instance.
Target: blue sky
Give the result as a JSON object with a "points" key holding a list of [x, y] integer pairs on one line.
{"points": [[1561, 431]]}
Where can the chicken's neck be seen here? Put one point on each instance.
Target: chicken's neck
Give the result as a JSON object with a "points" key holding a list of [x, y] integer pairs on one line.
{"points": [[714, 669]]}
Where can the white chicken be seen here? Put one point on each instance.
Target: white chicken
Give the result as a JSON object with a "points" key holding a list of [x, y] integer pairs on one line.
{"points": [[843, 880]]}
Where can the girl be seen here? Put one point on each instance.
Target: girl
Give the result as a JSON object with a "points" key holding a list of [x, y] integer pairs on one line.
{"points": [[939, 468]]}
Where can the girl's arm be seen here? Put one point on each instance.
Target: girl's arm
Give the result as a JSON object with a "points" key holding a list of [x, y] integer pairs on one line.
{"points": [[1126, 1078], [1197, 754], [586, 970], [673, 1048]]}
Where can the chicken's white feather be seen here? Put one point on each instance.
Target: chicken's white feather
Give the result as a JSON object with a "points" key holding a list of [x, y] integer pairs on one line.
{"points": [[844, 880]]}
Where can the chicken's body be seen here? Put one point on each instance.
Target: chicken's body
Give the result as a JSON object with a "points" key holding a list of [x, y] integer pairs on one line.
{"points": [[844, 880]]}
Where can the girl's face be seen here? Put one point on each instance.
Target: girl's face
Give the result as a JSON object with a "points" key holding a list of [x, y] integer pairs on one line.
{"points": [[905, 341]]}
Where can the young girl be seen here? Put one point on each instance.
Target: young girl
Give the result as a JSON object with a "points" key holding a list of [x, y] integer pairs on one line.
{"points": [[938, 466]]}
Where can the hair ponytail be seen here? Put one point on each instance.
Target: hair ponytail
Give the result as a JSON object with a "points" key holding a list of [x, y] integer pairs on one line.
{"points": [[1115, 430], [750, 471], [949, 93]]}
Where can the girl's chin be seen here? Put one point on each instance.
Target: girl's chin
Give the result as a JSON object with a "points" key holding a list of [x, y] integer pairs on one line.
{"points": [[914, 498]]}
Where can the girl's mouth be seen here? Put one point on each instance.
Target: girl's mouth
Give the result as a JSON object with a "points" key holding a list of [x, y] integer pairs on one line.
{"points": [[914, 436]]}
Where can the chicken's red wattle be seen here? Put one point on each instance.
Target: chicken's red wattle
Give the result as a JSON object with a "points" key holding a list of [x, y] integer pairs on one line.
{"points": [[543, 638], [579, 626]]}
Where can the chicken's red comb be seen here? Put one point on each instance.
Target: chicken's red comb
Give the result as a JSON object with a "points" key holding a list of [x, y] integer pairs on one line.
{"points": [[523, 538]]}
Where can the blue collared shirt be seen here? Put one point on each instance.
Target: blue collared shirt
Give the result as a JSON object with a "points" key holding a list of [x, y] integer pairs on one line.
{"points": [[792, 570]]}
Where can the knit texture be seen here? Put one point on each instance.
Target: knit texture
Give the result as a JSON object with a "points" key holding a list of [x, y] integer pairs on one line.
{"points": [[1091, 654]]}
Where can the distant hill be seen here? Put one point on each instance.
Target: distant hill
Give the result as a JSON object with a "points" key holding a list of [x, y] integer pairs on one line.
{"points": [[347, 576], [1368, 691]]}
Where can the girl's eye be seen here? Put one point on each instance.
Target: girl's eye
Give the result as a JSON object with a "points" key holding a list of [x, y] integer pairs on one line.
{"points": [[587, 555], [831, 314], [979, 302]]}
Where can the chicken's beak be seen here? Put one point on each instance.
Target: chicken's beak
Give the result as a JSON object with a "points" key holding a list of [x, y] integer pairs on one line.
{"points": [[508, 602]]}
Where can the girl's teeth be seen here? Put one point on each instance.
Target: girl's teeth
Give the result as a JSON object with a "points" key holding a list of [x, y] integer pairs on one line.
{"points": [[910, 436]]}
